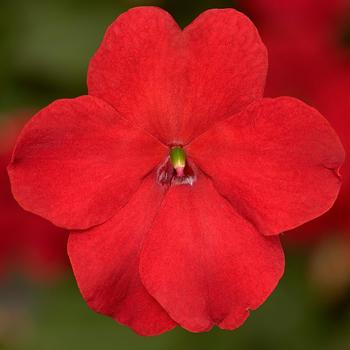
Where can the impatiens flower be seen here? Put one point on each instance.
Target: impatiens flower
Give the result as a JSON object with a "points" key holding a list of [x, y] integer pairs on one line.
{"points": [[175, 175], [27, 243]]}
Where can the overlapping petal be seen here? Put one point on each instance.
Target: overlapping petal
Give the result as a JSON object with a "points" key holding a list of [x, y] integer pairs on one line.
{"points": [[277, 163], [176, 84], [77, 162], [105, 261], [204, 263]]}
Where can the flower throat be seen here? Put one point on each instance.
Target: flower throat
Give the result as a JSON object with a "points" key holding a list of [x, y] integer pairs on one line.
{"points": [[176, 170]]}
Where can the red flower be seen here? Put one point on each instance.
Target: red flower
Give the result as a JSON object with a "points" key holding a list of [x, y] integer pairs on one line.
{"points": [[177, 173], [27, 242], [303, 37]]}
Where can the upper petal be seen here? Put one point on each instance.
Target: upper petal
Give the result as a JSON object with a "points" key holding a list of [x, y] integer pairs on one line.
{"points": [[176, 84], [204, 263], [77, 162], [227, 66], [105, 262], [277, 163]]}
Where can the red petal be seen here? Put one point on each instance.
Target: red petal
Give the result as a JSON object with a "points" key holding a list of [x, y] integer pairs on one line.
{"points": [[177, 84], [227, 68], [105, 261], [204, 263], [277, 163], [77, 162]]}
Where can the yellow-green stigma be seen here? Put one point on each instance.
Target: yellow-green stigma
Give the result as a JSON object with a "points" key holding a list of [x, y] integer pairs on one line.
{"points": [[178, 160]]}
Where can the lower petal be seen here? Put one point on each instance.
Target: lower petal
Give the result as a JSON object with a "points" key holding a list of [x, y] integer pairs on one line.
{"points": [[204, 263], [105, 262]]}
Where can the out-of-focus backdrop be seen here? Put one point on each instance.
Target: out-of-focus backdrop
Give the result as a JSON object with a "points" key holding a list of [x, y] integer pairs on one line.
{"points": [[45, 47]]}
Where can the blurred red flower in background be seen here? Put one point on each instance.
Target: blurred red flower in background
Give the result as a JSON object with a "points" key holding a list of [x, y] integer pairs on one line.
{"points": [[28, 243], [177, 173], [304, 38], [309, 57]]}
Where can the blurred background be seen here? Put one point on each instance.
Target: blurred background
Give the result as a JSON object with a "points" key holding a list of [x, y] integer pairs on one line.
{"points": [[45, 47]]}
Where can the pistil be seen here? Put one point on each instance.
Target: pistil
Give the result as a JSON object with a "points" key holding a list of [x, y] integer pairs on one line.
{"points": [[178, 160]]}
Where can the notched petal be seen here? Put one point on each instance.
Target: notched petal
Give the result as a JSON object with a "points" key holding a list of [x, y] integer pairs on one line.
{"points": [[176, 84]]}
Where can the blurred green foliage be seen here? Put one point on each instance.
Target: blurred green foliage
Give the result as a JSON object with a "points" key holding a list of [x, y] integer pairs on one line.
{"points": [[46, 45]]}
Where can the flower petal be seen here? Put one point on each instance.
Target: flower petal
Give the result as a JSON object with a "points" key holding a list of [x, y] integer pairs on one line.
{"points": [[177, 84], [227, 68], [105, 262], [204, 263], [277, 163], [77, 162]]}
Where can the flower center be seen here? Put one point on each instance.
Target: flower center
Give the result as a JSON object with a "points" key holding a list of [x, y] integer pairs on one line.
{"points": [[176, 170], [178, 160]]}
